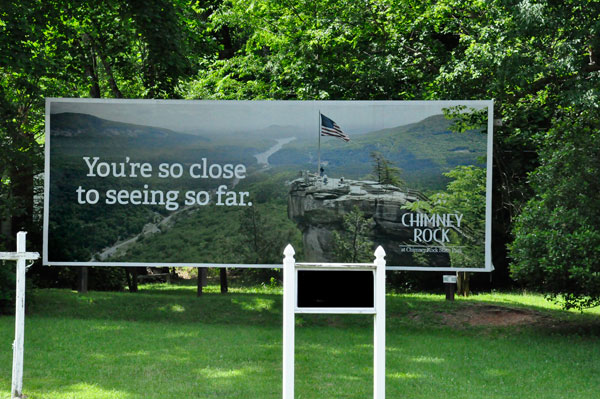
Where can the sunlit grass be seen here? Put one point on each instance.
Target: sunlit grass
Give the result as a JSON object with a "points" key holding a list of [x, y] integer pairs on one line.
{"points": [[209, 289], [164, 342], [524, 299]]}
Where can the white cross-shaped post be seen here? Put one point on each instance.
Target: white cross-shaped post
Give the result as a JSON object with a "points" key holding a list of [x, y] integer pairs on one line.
{"points": [[18, 346]]}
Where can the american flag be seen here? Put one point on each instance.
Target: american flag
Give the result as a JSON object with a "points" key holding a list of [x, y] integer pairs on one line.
{"points": [[330, 128]]}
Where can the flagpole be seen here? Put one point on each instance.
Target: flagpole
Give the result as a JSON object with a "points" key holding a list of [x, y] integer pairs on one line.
{"points": [[319, 152]]}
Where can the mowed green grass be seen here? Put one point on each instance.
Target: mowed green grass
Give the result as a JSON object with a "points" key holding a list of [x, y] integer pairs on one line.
{"points": [[164, 342]]}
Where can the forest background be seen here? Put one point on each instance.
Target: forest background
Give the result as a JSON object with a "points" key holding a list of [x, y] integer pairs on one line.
{"points": [[538, 60]]}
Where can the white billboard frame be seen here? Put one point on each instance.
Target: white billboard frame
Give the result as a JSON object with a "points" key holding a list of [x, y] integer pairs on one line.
{"points": [[488, 267]]}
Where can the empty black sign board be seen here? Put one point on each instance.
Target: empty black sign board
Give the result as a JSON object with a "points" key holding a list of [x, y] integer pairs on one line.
{"points": [[335, 289]]}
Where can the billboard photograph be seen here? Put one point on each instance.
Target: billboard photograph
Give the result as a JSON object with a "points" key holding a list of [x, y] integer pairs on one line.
{"points": [[209, 183]]}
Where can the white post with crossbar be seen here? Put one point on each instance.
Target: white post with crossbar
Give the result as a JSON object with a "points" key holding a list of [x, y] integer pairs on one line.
{"points": [[289, 316], [19, 344], [379, 327], [290, 308]]}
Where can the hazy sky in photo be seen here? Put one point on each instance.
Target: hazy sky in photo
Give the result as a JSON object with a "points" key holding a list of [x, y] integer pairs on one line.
{"points": [[246, 116]]}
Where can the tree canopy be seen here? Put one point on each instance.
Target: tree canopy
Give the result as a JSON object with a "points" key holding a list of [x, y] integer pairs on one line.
{"points": [[538, 59]]}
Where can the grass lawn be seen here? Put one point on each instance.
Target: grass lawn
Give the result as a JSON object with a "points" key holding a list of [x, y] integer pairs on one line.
{"points": [[163, 342]]}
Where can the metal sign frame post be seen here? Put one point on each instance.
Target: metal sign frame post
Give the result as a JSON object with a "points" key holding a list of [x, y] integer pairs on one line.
{"points": [[290, 308], [19, 344]]}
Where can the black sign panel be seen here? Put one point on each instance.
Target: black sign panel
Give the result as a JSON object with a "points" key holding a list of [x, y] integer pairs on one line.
{"points": [[335, 289]]}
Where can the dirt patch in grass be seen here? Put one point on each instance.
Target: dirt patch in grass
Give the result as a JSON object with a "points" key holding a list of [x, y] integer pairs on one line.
{"points": [[492, 316]]}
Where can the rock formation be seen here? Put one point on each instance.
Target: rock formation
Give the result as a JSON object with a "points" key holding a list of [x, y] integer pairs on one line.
{"points": [[318, 206]]}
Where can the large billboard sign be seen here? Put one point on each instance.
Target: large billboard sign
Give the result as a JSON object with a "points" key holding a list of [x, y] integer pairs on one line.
{"points": [[209, 183]]}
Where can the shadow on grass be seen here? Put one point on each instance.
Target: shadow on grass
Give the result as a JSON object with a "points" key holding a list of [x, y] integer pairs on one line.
{"points": [[179, 304], [155, 345], [100, 359], [89, 355], [239, 309], [74, 358], [502, 312]]}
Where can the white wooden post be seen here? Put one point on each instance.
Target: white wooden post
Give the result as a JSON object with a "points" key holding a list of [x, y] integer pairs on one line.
{"points": [[20, 256], [289, 296], [379, 326], [18, 345], [289, 310]]}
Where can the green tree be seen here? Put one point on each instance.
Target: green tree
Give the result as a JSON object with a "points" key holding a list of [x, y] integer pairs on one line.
{"points": [[557, 236], [61, 48], [262, 240], [7, 286], [335, 49], [534, 58], [256, 233], [352, 244], [384, 171], [465, 194]]}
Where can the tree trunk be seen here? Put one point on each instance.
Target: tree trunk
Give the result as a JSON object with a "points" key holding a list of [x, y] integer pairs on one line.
{"points": [[109, 73], [127, 277], [199, 283], [82, 286], [22, 191], [91, 64], [223, 278], [204, 276], [6, 229], [227, 50], [201, 280], [133, 283], [462, 283], [90, 72]]}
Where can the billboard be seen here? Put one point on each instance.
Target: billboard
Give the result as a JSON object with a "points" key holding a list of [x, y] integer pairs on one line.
{"points": [[210, 183]]}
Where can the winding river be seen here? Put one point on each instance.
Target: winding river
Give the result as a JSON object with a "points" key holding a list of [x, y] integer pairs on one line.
{"points": [[153, 228], [263, 157]]}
